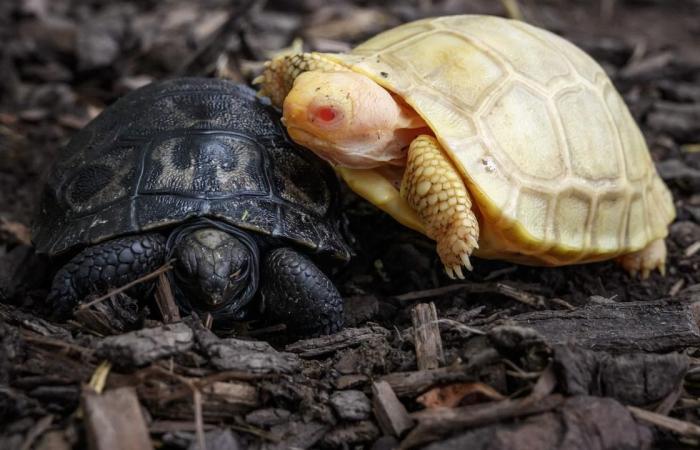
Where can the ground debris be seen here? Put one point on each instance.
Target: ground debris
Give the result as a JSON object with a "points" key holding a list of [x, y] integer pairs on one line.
{"points": [[633, 379], [141, 347], [114, 420], [243, 355], [652, 326], [351, 433], [390, 413], [579, 423], [427, 336], [599, 338], [351, 405], [349, 337]]}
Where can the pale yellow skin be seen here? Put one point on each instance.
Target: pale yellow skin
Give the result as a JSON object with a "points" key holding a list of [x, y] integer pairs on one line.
{"points": [[551, 163]]}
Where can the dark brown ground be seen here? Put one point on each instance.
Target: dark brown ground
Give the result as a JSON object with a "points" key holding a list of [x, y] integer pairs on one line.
{"points": [[63, 61]]}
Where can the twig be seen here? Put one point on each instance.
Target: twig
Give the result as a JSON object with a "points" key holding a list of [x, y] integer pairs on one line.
{"points": [[507, 290], [669, 423], [37, 430], [166, 300], [198, 418], [459, 326], [164, 268]]}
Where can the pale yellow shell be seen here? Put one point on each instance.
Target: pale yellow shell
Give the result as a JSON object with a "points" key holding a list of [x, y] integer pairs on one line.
{"points": [[556, 164]]}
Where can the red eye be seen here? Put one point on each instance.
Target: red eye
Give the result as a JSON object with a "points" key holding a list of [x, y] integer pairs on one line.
{"points": [[326, 113]]}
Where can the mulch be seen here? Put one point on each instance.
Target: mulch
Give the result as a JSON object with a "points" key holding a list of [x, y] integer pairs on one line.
{"points": [[514, 357]]}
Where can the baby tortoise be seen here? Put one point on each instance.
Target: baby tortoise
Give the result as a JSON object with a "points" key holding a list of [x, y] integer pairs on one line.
{"points": [[507, 142], [200, 171]]}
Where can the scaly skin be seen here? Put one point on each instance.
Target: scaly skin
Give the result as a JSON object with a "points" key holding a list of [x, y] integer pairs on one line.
{"points": [[651, 257], [300, 295], [279, 75], [434, 188]]}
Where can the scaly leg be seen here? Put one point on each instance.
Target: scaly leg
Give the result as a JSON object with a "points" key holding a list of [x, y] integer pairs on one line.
{"points": [[107, 265], [651, 257], [296, 293], [279, 75], [435, 189]]}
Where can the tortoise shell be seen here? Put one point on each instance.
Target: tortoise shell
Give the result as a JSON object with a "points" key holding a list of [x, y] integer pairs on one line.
{"points": [[558, 168], [182, 149]]}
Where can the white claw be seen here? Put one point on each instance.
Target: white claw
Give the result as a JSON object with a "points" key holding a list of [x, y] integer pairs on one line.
{"points": [[449, 272], [466, 262], [259, 79], [458, 271], [472, 242]]}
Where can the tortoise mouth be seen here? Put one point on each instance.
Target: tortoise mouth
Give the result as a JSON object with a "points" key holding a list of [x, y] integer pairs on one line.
{"points": [[312, 142]]}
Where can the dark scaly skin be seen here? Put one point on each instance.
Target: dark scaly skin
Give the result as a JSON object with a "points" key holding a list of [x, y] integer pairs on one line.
{"points": [[299, 295], [106, 265]]}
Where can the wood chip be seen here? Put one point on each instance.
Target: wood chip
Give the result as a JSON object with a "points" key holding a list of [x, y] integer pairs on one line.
{"points": [[650, 326], [390, 413], [426, 333], [349, 337], [411, 384], [436, 423], [692, 249], [141, 347], [15, 232], [114, 421]]}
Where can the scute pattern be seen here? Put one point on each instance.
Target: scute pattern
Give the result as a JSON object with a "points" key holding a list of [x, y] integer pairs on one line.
{"points": [[182, 149], [549, 128], [521, 127]]}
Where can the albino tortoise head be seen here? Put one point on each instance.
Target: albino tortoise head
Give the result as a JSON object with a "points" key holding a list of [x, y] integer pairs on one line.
{"points": [[346, 119]]}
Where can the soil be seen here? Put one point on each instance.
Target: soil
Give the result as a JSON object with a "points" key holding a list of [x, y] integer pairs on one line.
{"points": [[572, 357]]}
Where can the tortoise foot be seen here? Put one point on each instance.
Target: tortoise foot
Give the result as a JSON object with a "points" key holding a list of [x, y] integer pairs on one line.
{"points": [[651, 257], [435, 190], [100, 267], [296, 293]]}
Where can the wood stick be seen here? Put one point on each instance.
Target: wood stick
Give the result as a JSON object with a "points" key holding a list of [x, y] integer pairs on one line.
{"points": [[426, 333], [166, 300], [669, 423], [156, 273], [501, 288]]}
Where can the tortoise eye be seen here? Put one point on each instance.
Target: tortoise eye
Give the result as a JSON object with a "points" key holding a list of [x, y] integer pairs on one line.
{"points": [[326, 115]]}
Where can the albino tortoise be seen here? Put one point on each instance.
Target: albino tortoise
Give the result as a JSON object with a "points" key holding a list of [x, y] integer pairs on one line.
{"points": [[508, 141]]}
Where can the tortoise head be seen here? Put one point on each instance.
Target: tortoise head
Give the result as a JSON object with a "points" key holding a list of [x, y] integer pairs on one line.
{"points": [[214, 269], [348, 119]]}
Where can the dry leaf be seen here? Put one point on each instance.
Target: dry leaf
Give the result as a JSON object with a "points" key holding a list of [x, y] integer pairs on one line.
{"points": [[452, 395]]}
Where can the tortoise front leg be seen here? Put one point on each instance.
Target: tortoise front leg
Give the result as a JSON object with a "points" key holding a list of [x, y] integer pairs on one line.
{"points": [[435, 190], [296, 293], [103, 266]]}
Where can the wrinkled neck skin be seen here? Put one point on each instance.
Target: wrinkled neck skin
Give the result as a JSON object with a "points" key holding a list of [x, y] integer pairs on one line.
{"points": [[373, 127]]}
